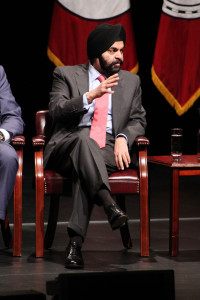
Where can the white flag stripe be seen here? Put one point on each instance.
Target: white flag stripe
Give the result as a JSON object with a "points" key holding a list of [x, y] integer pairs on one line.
{"points": [[96, 10], [185, 2], [182, 9]]}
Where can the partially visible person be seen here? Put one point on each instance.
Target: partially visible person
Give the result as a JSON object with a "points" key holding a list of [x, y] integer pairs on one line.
{"points": [[11, 124]]}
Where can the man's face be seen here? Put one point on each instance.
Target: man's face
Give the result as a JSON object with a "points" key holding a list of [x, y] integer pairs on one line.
{"points": [[112, 59]]}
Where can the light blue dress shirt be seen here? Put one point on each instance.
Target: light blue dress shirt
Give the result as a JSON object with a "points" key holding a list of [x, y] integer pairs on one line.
{"points": [[87, 118]]}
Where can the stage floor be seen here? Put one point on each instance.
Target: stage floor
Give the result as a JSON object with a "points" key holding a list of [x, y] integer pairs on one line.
{"points": [[103, 250]]}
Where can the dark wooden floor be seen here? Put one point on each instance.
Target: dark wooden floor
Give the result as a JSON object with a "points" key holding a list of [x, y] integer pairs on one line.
{"points": [[103, 250]]}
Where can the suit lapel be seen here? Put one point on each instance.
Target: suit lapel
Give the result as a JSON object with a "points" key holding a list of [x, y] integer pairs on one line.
{"points": [[82, 79]]}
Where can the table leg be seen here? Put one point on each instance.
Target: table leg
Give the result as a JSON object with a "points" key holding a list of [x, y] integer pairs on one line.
{"points": [[174, 213]]}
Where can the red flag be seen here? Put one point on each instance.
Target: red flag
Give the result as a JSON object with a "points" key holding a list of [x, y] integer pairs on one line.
{"points": [[176, 65], [72, 21]]}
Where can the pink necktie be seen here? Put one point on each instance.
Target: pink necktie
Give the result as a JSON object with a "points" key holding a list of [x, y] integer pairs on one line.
{"points": [[99, 123]]}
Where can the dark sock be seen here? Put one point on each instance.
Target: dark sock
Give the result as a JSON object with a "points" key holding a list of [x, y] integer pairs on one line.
{"points": [[78, 239], [74, 237], [105, 198]]}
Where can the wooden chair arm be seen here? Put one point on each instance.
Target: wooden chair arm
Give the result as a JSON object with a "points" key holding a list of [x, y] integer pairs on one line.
{"points": [[18, 143], [38, 144], [18, 140], [38, 141], [142, 141]]}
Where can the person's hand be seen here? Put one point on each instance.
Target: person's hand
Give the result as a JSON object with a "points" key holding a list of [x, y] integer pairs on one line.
{"points": [[122, 157], [103, 88], [2, 137]]}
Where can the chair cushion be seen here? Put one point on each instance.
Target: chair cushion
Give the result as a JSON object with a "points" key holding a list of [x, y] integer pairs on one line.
{"points": [[124, 182], [54, 183]]}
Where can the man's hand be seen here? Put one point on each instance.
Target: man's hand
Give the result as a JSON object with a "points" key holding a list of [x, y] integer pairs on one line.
{"points": [[103, 88], [121, 153]]}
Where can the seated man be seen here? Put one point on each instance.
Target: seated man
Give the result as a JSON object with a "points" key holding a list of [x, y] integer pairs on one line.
{"points": [[11, 124], [76, 148]]}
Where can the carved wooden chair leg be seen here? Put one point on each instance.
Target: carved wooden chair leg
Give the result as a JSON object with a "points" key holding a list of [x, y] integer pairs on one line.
{"points": [[17, 230], [124, 230], [144, 203], [6, 233], [52, 221]]}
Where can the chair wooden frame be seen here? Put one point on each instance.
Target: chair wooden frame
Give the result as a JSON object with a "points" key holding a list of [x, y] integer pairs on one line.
{"points": [[42, 187], [18, 143]]}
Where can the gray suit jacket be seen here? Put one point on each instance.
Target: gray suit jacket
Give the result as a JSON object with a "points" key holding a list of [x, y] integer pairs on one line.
{"points": [[10, 112], [66, 104]]}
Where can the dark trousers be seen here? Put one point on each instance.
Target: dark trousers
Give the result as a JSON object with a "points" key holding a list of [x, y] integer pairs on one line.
{"points": [[8, 171], [89, 165]]}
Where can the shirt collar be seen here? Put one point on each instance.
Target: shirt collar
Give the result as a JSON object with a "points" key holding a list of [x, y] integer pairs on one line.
{"points": [[93, 73]]}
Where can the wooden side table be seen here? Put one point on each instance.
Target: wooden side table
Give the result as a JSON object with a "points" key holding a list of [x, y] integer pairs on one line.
{"points": [[189, 165]]}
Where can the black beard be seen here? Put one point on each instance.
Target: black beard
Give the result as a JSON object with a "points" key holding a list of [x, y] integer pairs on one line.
{"points": [[112, 68]]}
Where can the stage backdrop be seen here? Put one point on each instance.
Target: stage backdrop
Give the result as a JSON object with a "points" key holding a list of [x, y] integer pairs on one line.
{"points": [[72, 21], [176, 64]]}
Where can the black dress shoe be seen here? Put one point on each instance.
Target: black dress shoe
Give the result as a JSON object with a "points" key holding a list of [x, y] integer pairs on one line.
{"points": [[74, 259], [116, 217]]}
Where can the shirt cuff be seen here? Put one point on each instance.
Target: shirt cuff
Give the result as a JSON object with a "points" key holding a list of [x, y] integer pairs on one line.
{"points": [[121, 134], [5, 133], [85, 102]]}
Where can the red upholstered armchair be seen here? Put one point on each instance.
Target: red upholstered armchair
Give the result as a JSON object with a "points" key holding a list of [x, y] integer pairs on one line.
{"points": [[18, 142], [49, 182]]}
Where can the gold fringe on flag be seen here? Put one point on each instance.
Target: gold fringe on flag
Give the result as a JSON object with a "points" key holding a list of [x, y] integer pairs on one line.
{"points": [[53, 58], [135, 69], [170, 98]]}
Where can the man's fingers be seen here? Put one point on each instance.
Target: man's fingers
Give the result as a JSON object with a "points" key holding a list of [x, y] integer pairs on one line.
{"points": [[120, 164], [122, 160], [125, 160]]}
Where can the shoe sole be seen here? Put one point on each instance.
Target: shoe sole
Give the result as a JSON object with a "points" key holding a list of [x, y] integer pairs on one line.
{"points": [[68, 266], [119, 222]]}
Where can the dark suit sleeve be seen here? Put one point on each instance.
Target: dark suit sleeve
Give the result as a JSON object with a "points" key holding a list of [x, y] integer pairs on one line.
{"points": [[65, 100], [10, 111], [136, 122]]}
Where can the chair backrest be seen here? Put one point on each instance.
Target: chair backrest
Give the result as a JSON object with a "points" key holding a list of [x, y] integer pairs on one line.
{"points": [[43, 123]]}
